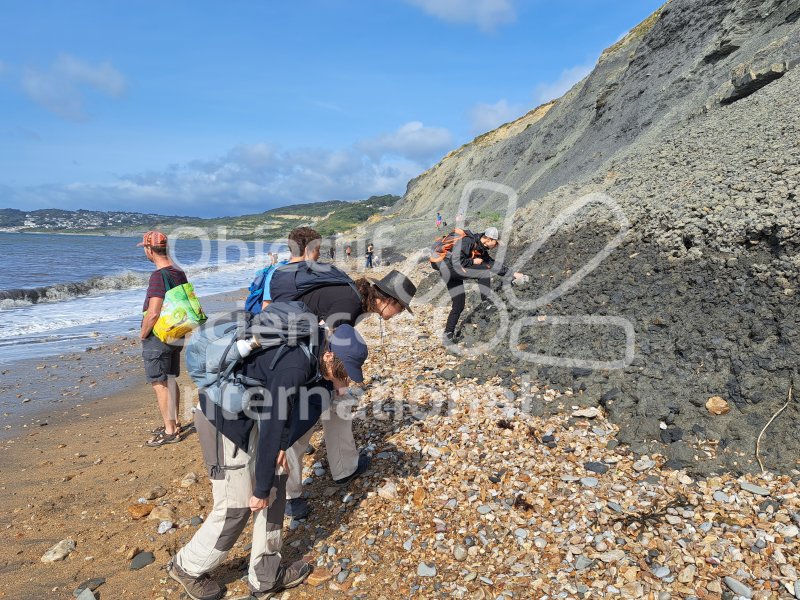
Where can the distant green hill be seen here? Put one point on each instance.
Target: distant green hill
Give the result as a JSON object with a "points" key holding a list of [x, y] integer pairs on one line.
{"points": [[329, 218]]}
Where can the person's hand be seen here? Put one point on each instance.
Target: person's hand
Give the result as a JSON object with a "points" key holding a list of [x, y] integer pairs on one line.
{"points": [[518, 275], [477, 261], [282, 461], [257, 504]]}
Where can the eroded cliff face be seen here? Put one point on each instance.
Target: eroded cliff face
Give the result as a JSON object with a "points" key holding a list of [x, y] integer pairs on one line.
{"points": [[687, 61], [691, 127]]}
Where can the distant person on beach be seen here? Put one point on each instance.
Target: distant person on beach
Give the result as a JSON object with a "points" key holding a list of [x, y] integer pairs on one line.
{"points": [[463, 255], [333, 253], [345, 302], [162, 361], [248, 467], [347, 252], [438, 221], [370, 254]]}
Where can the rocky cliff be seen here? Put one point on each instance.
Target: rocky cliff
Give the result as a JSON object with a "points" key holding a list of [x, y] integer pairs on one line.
{"points": [[689, 126]]}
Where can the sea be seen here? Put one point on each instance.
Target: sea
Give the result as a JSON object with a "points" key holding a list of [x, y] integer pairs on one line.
{"points": [[62, 293]]}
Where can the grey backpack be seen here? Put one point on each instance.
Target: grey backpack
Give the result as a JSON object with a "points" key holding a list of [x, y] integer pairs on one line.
{"points": [[214, 362]]}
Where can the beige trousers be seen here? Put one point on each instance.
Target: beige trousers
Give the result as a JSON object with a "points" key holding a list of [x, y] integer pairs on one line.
{"points": [[337, 425], [232, 489]]}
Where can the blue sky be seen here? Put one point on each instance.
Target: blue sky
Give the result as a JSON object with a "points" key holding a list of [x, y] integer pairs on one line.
{"points": [[212, 108]]}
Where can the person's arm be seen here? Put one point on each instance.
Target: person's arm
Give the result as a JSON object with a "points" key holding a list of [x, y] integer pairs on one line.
{"points": [[465, 257], [151, 316]]}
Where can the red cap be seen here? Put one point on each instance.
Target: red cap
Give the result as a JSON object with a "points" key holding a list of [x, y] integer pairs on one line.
{"points": [[155, 239]]}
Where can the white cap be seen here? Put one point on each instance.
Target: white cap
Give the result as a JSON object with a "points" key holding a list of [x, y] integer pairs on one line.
{"points": [[492, 233]]}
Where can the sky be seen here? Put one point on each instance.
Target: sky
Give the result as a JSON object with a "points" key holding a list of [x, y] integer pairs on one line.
{"points": [[224, 108]]}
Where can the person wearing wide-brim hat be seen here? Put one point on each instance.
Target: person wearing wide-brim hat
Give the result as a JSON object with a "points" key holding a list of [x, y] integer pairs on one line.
{"points": [[466, 256], [339, 304]]}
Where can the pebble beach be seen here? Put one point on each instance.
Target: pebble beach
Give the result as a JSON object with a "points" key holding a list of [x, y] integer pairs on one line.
{"points": [[470, 495]]}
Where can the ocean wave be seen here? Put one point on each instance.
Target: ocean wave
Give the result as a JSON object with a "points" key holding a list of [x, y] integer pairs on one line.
{"points": [[64, 291], [128, 280]]}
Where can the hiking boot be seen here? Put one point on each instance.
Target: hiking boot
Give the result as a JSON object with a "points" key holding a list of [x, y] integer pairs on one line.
{"points": [[363, 464], [297, 508], [197, 588], [288, 577]]}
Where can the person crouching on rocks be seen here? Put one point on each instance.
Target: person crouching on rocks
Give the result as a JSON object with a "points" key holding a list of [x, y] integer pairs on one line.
{"points": [[463, 255]]}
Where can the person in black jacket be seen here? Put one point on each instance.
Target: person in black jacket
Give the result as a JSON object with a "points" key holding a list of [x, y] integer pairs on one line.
{"points": [[246, 456], [469, 259]]}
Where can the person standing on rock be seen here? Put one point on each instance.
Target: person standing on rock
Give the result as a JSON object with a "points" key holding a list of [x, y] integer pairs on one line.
{"points": [[248, 467], [336, 304], [463, 255], [162, 361], [370, 254]]}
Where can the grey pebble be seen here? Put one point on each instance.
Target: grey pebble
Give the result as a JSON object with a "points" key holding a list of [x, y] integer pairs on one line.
{"points": [[721, 496], [460, 553], [737, 587], [661, 572], [596, 467], [142, 560], [425, 570], [754, 489], [90, 584]]}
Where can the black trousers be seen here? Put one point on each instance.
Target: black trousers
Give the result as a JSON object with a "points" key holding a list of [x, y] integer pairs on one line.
{"points": [[458, 296]]}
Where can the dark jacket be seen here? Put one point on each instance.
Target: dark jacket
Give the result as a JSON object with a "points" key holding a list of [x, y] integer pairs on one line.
{"points": [[290, 379], [462, 264]]}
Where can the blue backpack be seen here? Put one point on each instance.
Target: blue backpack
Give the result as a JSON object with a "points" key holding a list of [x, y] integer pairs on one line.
{"points": [[261, 283]]}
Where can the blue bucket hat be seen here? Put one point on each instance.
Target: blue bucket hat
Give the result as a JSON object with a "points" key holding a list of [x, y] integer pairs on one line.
{"points": [[349, 347]]}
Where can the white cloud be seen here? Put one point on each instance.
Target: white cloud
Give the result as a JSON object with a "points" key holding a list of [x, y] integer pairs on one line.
{"points": [[544, 92], [412, 140], [61, 88], [487, 14], [485, 117], [255, 177]]}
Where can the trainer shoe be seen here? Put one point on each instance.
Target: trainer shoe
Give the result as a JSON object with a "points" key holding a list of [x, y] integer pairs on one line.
{"points": [[288, 577], [197, 588], [297, 508], [450, 337]]}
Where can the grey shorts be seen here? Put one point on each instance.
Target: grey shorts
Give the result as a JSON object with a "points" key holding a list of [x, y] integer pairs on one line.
{"points": [[160, 360]]}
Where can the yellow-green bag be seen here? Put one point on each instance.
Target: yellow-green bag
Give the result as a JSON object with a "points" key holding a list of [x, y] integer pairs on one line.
{"points": [[180, 313]]}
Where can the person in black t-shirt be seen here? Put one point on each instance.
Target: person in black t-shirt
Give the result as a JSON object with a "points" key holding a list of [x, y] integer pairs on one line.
{"points": [[161, 361], [336, 305]]}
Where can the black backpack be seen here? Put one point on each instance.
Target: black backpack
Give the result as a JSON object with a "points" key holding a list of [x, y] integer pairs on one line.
{"points": [[292, 281]]}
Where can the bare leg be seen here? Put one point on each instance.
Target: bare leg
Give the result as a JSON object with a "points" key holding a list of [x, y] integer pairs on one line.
{"points": [[165, 406]]}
